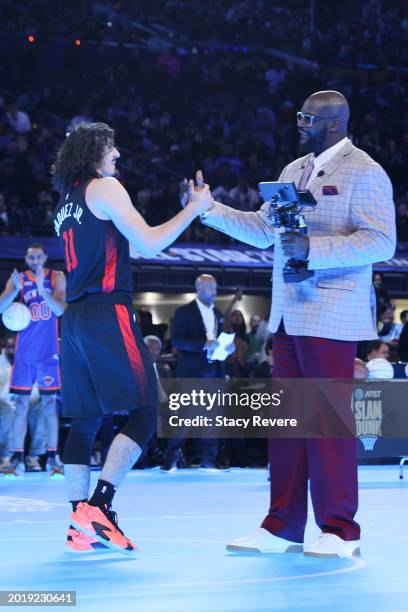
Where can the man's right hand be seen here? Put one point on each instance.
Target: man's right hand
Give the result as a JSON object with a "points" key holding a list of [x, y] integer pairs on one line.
{"points": [[199, 196], [184, 193], [237, 295], [16, 278], [210, 347]]}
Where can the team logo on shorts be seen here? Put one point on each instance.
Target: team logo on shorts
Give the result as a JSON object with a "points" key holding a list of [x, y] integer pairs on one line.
{"points": [[48, 380]]}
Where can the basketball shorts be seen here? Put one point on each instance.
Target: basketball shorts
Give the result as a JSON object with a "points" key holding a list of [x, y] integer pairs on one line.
{"points": [[105, 365], [25, 375]]}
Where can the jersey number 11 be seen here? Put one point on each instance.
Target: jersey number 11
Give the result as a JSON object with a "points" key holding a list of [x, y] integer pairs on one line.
{"points": [[70, 254]]}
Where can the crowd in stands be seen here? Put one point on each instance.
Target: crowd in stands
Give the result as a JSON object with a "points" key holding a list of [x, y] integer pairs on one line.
{"points": [[228, 109], [355, 32]]}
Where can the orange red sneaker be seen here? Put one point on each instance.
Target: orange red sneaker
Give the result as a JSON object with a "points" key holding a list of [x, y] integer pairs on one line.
{"points": [[101, 525], [81, 543]]}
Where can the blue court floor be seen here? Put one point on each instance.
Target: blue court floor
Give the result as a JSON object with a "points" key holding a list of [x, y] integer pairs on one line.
{"points": [[181, 521]]}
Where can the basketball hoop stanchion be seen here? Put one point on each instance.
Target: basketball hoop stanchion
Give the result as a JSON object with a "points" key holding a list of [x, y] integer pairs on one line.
{"points": [[403, 461]]}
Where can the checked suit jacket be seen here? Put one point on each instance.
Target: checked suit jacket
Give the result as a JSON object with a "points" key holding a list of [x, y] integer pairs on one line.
{"points": [[348, 232]]}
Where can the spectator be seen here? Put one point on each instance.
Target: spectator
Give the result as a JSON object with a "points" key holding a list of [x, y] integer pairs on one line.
{"points": [[244, 197], [152, 454], [381, 295], [402, 224], [236, 364], [403, 339], [36, 422], [377, 348], [4, 217], [274, 75], [170, 63], [154, 346], [264, 369], [388, 330], [6, 405], [255, 340], [18, 120]]}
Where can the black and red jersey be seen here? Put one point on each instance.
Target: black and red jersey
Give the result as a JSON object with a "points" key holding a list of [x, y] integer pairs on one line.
{"points": [[96, 253]]}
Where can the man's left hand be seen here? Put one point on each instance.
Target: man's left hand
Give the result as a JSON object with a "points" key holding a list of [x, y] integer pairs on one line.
{"points": [[189, 191], [295, 246], [39, 279], [231, 348]]}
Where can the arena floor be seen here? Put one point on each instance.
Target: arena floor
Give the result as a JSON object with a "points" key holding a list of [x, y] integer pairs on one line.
{"points": [[182, 521]]}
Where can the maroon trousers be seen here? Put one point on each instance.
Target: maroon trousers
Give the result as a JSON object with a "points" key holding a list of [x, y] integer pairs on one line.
{"points": [[329, 463]]}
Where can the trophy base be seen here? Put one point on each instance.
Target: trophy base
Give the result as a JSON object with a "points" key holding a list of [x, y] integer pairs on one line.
{"points": [[297, 275]]}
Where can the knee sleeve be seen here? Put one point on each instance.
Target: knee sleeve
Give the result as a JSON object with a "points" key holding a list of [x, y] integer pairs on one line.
{"points": [[141, 426], [79, 443]]}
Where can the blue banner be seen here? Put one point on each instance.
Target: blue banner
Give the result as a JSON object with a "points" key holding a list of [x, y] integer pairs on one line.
{"points": [[14, 247]]}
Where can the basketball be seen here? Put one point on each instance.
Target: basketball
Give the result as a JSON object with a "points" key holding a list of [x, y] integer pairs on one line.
{"points": [[380, 368], [16, 317]]}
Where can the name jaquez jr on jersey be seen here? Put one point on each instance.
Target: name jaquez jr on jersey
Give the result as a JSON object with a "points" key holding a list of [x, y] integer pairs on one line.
{"points": [[65, 213]]}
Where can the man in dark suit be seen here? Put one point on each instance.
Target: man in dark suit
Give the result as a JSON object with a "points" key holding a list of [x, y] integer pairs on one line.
{"points": [[195, 329]]}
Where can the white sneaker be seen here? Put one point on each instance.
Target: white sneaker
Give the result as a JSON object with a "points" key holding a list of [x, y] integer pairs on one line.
{"points": [[54, 467], [5, 465], [33, 464], [330, 545], [263, 542], [17, 469]]}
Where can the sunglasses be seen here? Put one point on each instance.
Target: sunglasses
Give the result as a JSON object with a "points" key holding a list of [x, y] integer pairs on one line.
{"points": [[308, 119]]}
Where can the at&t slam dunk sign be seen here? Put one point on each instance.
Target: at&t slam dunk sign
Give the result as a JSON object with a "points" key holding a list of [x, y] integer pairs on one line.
{"points": [[368, 411]]}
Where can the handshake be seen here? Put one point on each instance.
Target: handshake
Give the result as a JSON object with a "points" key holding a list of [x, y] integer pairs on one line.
{"points": [[197, 195]]}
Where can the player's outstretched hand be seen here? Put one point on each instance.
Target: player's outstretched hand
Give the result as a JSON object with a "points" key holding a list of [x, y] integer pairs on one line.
{"points": [[184, 192], [199, 195]]}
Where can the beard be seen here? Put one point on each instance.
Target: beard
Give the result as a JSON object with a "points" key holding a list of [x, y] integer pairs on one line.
{"points": [[312, 143]]}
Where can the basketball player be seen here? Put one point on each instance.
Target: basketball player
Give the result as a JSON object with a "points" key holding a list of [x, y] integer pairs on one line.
{"points": [[37, 355], [105, 363]]}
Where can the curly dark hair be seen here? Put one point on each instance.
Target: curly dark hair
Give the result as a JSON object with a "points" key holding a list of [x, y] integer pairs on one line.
{"points": [[79, 155]]}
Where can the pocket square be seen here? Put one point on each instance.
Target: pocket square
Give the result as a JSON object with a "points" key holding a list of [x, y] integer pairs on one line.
{"points": [[330, 190]]}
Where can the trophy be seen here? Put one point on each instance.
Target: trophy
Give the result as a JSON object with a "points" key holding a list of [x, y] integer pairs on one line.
{"points": [[286, 206]]}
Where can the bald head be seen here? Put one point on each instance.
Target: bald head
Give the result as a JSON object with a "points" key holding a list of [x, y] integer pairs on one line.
{"points": [[330, 112], [204, 278], [330, 104], [206, 289]]}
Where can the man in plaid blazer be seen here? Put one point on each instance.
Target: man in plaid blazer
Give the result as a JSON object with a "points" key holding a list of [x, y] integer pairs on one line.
{"points": [[318, 321]]}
